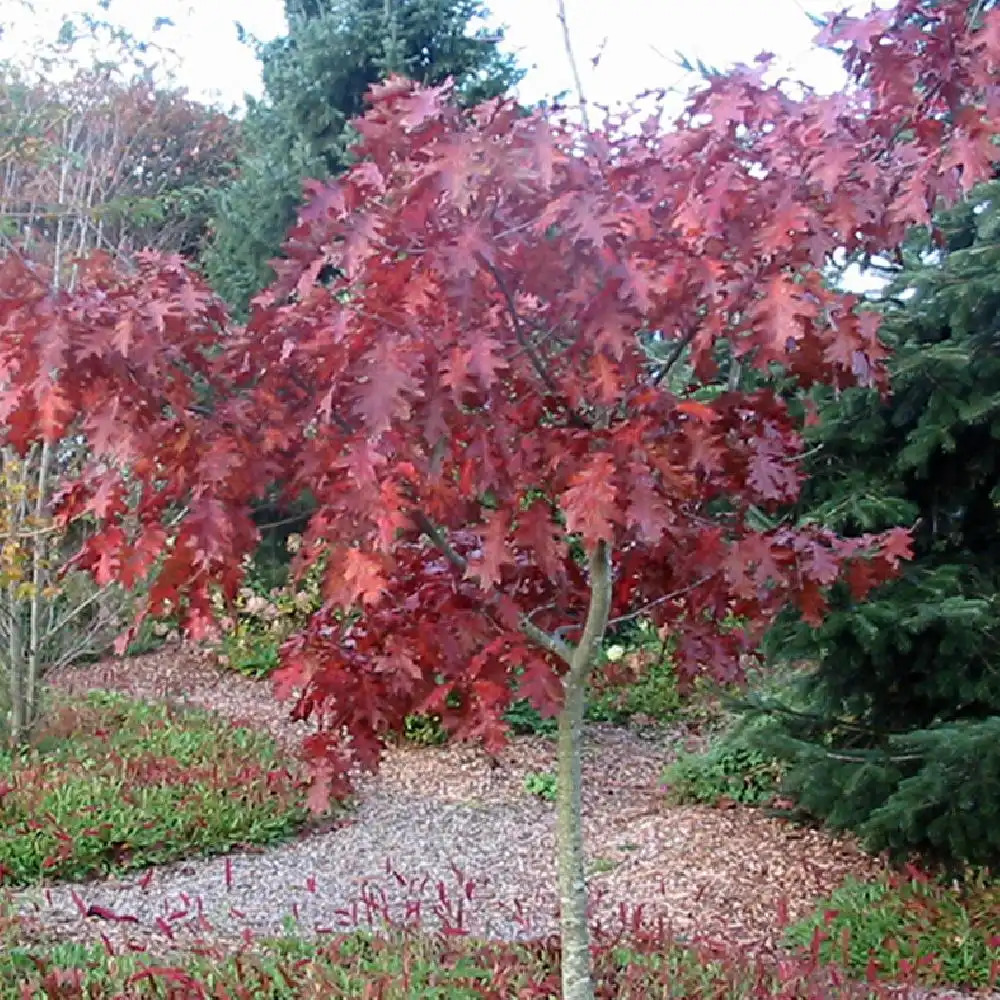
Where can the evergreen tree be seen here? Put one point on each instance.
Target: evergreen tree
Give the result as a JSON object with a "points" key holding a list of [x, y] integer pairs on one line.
{"points": [[315, 79], [900, 736]]}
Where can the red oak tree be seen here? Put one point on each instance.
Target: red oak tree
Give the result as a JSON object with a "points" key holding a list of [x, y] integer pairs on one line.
{"points": [[470, 360]]}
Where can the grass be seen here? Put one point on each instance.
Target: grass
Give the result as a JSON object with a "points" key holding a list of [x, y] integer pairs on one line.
{"points": [[110, 784]]}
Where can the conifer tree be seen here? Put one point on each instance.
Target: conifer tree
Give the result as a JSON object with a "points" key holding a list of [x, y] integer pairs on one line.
{"points": [[315, 80], [900, 737]]}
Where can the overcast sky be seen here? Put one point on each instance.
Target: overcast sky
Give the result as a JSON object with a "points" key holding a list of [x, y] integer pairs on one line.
{"points": [[637, 39]]}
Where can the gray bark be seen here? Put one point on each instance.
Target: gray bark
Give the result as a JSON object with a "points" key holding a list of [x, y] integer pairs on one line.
{"points": [[577, 978]]}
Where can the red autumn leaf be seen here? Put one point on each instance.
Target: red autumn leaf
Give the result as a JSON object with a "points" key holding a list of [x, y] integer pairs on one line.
{"points": [[784, 308], [542, 688], [770, 474], [359, 577], [702, 411], [382, 397], [897, 546], [605, 376], [647, 513], [494, 555], [812, 602], [591, 501], [54, 410], [485, 361]]}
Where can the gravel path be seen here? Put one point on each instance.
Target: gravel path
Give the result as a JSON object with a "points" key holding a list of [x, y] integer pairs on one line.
{"points": [[449, 835]]}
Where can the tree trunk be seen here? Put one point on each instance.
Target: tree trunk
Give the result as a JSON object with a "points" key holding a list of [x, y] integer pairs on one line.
{"points": [[38, 601], [15, 681], [577, 980]]}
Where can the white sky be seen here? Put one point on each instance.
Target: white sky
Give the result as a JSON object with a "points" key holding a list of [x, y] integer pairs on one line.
{"points": [[638, 39]]}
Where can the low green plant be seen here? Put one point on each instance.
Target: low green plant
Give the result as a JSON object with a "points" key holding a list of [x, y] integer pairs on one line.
{"points": [[636, 679], [643, 685], [110, 784], [153, 634], [543, 784], [424, 730], [911, 927], [525, 720], [407, 965], [732, 767], [265, 615]]}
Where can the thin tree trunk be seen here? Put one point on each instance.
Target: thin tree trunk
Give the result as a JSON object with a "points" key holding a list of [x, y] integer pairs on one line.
{"points": [[38, 601], [16, 666], [577, 980], [17, 506]]}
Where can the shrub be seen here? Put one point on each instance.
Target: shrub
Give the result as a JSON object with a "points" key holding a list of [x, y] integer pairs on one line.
{"points": [[424, 730], [910, 926], [543, 784], [111, 784], [525, 720], [266, 615], [641, 681], [732, 767]]}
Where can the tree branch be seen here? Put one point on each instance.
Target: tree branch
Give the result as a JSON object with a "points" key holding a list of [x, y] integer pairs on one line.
{"points": [[674, 357], [547, 641], [544, 639], [577, 80], [438, 537], [517, 325], [673, 595]]}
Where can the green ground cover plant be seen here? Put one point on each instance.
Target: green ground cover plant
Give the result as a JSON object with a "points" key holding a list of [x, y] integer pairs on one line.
{"points": [[732, 767], [110, 784], [407, 965], [910, 926]]}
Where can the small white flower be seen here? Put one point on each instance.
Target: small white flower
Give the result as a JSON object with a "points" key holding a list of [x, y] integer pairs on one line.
{"points": [[615, 653]]}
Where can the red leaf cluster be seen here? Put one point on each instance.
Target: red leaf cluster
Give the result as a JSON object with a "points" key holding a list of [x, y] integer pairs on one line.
{"points": [[470, 361], [124, 364]]}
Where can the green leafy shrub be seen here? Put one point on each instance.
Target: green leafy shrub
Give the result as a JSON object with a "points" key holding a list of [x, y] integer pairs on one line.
{"points": [[638, 681], [424, 730], [910, 927], [265, 615], [732, 767], [543, 784], [153, 634], [110, 784], [525, 720]]}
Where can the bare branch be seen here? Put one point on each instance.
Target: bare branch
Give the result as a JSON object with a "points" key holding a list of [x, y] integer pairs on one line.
{"points": [[577, 80], [674, 357], [547, 641], [523, 338], [517, 325]]}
